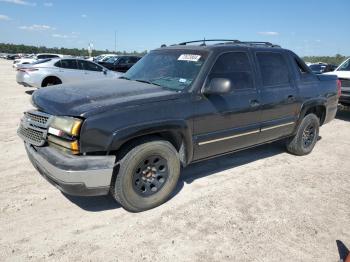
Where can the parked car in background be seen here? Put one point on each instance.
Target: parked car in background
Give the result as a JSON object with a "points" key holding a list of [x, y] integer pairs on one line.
{"points": [[343, 73], [320, 68], [48, 72], [120, 63], [102, 58], [12, 56], [3, 55], [177, 105], [34, 58]]}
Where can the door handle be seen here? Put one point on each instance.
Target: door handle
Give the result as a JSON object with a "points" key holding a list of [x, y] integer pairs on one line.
{"points": [[291, 98], [254, 103]]}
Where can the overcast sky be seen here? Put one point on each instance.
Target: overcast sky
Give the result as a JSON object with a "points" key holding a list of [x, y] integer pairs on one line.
{"points": [[308, 27]]}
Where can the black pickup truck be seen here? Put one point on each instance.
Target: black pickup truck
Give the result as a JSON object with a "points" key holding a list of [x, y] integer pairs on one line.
{"points": [[178, 105]]}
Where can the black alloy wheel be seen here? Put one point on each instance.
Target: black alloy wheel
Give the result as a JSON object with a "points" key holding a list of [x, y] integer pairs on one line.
{"points": [[150, 175]]}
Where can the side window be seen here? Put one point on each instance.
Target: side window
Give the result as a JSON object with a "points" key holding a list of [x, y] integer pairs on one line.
{"points": [[122, 60], [86, 65], [133, 59], [236, 67], [93, 67], [303, 71], [68, 64], [301, 66], [273, 68]]}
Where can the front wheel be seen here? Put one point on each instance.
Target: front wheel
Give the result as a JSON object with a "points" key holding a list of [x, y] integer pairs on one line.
{"points": [[147, 175], [306, 137]]}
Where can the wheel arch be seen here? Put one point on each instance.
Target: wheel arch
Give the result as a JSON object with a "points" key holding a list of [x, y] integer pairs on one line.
{"points": [[176, 132], [46, 78], [317, 107]]}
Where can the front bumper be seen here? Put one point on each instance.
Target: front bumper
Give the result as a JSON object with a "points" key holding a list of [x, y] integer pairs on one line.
{"points": [[73, 175]]}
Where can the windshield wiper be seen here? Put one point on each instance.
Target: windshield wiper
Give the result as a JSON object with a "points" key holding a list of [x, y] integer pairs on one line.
{"points": [[147, 82]]}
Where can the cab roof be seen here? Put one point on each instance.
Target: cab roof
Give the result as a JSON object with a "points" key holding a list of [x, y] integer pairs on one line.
{"points": [[218, 44]]}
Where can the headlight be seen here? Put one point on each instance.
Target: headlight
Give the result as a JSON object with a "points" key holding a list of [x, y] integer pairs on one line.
{"points": [[69, 125], [73, 146]]}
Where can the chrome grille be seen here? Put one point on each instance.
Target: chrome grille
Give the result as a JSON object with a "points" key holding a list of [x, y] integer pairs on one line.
{"points": [[37, 118], [32, 136], [33, 127], [345, 82]]}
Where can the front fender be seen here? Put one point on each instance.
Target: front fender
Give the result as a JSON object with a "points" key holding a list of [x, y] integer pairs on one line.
{"points": [[174, 126]]}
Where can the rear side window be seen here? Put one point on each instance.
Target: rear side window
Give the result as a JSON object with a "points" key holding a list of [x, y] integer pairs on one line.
{"points": [[67, 63], [302, 67], [236, 67], [304, 72], [273, 68]]}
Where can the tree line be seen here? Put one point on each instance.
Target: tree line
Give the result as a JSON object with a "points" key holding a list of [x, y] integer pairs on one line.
{"points": [[334, 60], [28, 49]]}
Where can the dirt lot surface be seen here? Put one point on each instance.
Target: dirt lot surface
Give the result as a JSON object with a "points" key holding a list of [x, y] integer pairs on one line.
{"points": [[258, 205]]}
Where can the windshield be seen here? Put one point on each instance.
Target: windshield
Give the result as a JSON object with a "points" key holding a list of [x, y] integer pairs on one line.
{"points": [[171, 69], [106, 58], [345, 66], [41, 61]]}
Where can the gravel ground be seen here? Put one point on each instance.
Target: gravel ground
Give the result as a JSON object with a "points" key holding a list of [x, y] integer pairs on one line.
{"points": [[258, 205]]}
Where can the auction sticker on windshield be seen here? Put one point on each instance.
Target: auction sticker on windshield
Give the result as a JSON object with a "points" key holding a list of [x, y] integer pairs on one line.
{"points": [[189, 57]]}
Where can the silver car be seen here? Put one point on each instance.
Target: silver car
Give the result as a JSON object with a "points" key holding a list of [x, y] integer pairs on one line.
{"points": [[56, 71]]}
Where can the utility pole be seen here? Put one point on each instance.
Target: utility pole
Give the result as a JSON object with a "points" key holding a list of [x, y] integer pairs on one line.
{"points": [[115, 41]]}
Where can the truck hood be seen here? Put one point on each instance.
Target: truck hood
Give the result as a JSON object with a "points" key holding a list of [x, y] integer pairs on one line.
{"points": [[93, 97]]}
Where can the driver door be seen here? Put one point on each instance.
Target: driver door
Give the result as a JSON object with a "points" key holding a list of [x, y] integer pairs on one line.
{"points": [[230, 121], [92, 71]]}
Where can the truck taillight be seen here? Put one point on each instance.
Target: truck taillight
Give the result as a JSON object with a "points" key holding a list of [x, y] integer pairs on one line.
{"points": [[339, 87]]}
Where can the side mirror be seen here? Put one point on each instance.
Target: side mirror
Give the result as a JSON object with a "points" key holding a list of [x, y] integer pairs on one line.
{"points": [[104, 71], [218, 86]]}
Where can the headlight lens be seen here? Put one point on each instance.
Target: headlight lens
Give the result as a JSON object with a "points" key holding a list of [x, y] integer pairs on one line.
{"points": [[73, 146], [68, 125]]}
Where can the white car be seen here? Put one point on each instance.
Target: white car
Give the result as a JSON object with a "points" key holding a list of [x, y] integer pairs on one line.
{"points": [[56, 71], [31, 59], [343, 73]]}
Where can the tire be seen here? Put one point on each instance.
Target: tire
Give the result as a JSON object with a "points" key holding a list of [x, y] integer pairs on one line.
{"points": [[306, 137], [147, 176]]}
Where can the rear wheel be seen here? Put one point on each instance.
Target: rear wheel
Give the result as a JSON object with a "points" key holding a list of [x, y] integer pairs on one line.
{"points": [[51, 81], [306, 137], [147, 175]]}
